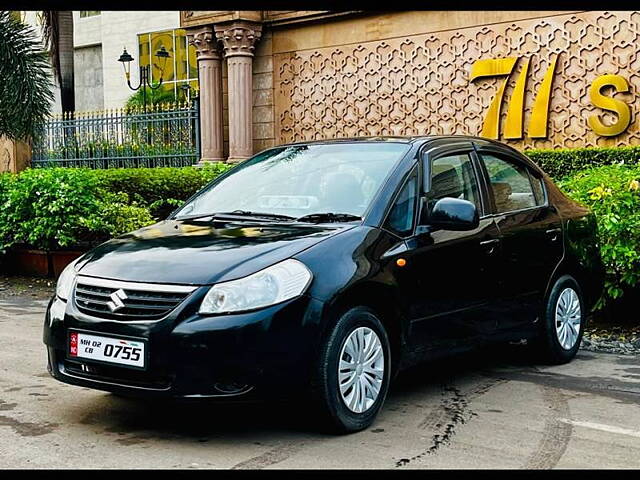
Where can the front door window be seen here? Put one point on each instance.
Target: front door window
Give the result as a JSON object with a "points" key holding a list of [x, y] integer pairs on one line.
{"points": [[453, 176]]}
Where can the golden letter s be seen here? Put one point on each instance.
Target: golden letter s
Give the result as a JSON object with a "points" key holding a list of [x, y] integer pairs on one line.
{"points": [[611, 104]]}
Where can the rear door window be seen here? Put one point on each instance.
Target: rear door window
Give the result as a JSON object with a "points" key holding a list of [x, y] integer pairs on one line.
{"points": [[510, 184]]}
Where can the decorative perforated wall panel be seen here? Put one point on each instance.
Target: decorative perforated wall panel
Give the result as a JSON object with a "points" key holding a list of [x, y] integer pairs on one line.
{"points": [[420, 84]]}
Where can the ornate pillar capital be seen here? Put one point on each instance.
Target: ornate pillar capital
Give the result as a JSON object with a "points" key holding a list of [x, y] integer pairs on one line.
{"points": [[205, 42], [238, 38]]}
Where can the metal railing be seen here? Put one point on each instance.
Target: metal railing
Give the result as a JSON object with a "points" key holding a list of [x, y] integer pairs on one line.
{"points": [[164, 135]]}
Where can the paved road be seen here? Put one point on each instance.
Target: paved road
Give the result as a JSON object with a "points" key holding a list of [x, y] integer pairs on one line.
{"points": [[488, 410]]}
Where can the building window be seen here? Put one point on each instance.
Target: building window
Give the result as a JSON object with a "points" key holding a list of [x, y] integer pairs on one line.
{"points": [[89, 13], [181, 68]]}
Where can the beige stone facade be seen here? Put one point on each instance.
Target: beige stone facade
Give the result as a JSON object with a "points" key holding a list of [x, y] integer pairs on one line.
{"points": [[566, 78], [15, 156]]}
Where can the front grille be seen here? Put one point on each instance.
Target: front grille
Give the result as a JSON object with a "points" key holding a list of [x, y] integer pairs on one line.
{"points": [[127, 300]]}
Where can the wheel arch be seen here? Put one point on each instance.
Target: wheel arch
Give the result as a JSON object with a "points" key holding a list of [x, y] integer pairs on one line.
{"points": [[581, 258], [383, 301], [570, 265]]}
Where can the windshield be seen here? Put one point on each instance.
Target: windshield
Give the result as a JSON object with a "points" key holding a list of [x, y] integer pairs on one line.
{"points": [[301, 180]]}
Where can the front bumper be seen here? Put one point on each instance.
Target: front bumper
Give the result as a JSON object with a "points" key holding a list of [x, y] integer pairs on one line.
{"points": [[266, 352]]}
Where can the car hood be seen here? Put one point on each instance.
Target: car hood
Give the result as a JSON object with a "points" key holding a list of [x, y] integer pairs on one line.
{"points": [[198, 253]]}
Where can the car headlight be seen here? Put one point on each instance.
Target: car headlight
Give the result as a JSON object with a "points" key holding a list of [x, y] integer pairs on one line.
{"points": [[65, 281], [277, 283]]}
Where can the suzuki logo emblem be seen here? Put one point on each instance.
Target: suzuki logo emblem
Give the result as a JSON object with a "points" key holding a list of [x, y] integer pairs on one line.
{"points": [[116, 302]]}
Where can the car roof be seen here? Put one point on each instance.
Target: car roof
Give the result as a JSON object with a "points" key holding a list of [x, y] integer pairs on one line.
{"points": [[398, 139], [421, 139]]}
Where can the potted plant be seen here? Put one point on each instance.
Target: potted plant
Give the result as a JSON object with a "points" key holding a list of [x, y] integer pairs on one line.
{"points": [[61, 258]]}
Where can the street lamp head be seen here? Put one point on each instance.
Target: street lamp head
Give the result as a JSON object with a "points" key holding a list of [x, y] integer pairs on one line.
{"points": [[162, 54], [126, 60]]}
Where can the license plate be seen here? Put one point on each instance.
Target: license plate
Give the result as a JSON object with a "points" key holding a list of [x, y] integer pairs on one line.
{"points": [[107, 349]]}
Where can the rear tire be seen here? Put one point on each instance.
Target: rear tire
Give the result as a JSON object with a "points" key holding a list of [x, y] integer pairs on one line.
{"points": [[563, 323], [347, 385]]}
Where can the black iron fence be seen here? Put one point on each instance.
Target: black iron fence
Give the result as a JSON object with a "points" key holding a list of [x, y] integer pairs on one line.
{"points": [[163, 136]]}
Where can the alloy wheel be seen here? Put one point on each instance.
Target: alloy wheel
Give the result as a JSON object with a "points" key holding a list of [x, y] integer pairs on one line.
{"points": [[568, 318]]}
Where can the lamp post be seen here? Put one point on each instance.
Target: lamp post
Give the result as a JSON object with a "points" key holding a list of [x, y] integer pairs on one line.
{"points": [[145, 72], [186, 88]]}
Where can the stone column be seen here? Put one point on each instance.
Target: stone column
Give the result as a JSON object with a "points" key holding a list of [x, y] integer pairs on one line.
{"points": [[238, 40], [210, 79]]}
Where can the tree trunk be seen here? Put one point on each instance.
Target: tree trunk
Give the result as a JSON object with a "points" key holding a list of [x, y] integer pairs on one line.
{"points": [[65, 51]]}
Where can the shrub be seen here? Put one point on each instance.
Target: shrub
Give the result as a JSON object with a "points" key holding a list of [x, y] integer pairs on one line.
{"points": [[71, 207], [60, 207], [565, 162], [613, 194], [6, 184], [160, 96], [159, 189]]}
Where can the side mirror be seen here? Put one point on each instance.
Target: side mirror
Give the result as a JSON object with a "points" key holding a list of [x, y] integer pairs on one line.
{"points": [[454, 214]]}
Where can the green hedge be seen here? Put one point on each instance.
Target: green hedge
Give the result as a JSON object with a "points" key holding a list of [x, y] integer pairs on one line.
{"points": [[564, 162], [61, 208], [613, 194], [159, 189]]}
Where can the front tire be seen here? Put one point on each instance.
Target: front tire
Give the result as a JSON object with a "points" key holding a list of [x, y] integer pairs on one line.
{"points": [[352, 375], [563, 323]]}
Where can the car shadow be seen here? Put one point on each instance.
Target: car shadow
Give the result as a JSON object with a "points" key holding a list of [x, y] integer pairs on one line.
{"points": [[480, 361], [133, 420]]}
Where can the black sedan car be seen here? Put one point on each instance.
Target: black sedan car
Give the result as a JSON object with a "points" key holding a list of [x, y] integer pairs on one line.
{"points": [[327, 267]]}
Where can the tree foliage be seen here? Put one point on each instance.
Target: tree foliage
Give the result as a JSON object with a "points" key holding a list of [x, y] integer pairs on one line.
{"points": [[25, 80], [154, 97]]}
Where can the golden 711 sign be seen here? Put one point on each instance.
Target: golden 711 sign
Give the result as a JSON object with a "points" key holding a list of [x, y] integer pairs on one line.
{"points": [[503, 67]]}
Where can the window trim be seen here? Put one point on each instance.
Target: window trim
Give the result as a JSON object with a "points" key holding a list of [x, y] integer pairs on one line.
{"points": [[537, 178], [416, 203], [505, 156]]}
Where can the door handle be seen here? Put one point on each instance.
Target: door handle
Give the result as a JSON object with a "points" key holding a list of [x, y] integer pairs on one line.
{"points": [[490, 245], [554, 233]]}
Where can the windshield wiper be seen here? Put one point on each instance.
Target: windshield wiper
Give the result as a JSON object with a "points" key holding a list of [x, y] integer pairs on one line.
{"points": [[245, 213], [328, 217], [237, 215], [196, 216]]}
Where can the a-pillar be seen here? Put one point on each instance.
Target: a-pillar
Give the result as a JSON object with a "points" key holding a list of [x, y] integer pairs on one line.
{"points": [[210, 80], [238, 40]]}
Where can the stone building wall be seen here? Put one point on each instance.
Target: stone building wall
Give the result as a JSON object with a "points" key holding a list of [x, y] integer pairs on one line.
{"points": [[263, 108], [409, 73], [88, 78]]}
